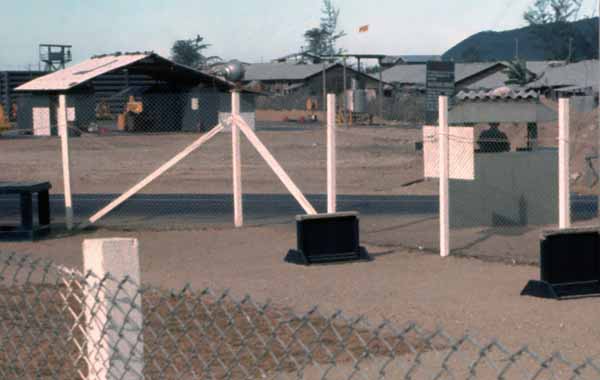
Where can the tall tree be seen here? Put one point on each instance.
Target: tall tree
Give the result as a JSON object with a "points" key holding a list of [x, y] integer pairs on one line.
{"points": [[316, 41], [189, 52], [552, 11], [322, 41], [329, 24], [551, 22]]}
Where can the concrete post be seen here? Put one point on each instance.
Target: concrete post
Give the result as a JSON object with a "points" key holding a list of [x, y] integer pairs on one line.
{"points": [[238, 211], [444, 175], [331, 155], [564, 188], [113, 310], [63, 132]]}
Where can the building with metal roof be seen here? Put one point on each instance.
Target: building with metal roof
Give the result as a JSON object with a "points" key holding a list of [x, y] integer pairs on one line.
{"points": [[150, 64], [99, 91], [284, 78], [502, 105], [415, 75]]}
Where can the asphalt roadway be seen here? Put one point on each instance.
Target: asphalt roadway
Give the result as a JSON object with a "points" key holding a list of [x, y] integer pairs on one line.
{"points": [[166, 210]]}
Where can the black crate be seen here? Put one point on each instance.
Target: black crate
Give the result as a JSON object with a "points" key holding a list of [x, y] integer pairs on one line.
{"points": [[569, 265], [326, 238]]}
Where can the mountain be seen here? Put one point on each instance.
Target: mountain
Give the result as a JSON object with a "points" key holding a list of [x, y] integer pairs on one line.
{"points": [[548, 42]]}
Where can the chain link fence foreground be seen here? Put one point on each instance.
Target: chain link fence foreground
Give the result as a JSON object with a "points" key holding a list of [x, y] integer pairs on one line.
{"points": [[59, 324]]}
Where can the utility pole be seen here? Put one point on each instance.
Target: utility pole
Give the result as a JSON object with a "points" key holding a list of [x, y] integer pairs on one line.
{"points": [[598, 131], [570, 50], [516, 49]]}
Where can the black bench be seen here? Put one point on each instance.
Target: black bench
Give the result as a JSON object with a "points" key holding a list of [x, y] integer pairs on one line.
{"points": [[28, 230]]}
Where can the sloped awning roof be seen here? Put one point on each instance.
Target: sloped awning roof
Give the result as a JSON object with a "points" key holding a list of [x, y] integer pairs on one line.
{"points": [[506, 106], [150, 64]]}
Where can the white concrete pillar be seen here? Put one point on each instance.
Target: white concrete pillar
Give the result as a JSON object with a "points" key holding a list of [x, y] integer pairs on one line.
{"points": [[331, 155], [238, 211], [63, 132], [444, 163], [564, 188], [113, 311]]}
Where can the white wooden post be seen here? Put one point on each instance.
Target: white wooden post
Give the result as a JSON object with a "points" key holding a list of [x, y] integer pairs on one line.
{"points": [[238, 210], [331, 156], [564, 201], [66, 166], [444, 174], [114, 320]]}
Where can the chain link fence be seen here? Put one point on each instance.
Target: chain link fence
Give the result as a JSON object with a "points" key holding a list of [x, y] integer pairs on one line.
{"points": [[60, 324], [117, 138]]}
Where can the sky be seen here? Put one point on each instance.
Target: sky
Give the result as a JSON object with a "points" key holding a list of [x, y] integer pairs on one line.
{"points": [[248, 30]]}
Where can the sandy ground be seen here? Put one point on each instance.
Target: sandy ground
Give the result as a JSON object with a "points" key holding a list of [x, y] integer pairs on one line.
{"points": [[376, 160], [400, 285]]}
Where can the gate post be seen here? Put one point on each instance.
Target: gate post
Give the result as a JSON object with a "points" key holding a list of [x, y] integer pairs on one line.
{"points": [[564, 201], [238, 211], [113, 309], [444, 174], [63, 132]]}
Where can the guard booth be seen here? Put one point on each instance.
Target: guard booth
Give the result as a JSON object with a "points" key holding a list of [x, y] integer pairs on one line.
{"points": [[514, 180]]}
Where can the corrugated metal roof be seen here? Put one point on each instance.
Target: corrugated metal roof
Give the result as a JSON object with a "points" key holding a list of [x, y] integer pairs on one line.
{"points": [[503, 93], [75, 75], [407, 74], [150, 64], [417, 74], [580, 74], [291, 72], [498, 79], [282, 71]]}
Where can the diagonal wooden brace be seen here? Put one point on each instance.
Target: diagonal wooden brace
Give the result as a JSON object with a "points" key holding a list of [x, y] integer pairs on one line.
{"points": [[272, 162]]}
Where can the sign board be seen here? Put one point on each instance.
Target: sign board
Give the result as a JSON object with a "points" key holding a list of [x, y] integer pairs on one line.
{"points": [[439, 82], [70, 114], [195, 104], [461, 149], [41, 121], [248, 117]]}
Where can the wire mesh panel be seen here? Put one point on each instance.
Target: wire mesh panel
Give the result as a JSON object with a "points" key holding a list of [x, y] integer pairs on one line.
{"points": [[50, 313]]}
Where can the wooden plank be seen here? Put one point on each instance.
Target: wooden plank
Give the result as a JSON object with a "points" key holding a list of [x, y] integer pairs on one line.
{"points": [[155, 174], [272, 162]]}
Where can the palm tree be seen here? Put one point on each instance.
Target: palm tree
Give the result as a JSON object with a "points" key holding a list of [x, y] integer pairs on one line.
{"points": [[518, 74]]}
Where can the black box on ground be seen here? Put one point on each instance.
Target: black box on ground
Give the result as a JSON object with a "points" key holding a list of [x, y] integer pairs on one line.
{"points": [[326, 238], [569, 264]]}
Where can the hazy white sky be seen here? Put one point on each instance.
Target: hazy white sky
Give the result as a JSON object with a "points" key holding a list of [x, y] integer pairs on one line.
{"points": [[250, 30]]}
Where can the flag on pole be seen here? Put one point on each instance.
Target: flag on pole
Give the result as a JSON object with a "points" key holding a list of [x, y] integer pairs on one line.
{"points": [[363, 29]]}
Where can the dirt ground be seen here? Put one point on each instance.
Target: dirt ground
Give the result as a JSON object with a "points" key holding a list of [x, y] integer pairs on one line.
{"points": [[376, 160], [400, 285]]}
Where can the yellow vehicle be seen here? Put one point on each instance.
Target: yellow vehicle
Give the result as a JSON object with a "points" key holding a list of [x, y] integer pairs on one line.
{"points": [[4, 122]]}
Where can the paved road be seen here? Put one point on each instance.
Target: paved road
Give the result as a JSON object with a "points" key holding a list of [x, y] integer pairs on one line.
{"points": [[168, 209]]}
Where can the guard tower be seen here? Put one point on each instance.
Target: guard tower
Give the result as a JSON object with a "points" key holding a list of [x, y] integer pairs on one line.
{"points": [[54, 57]]}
